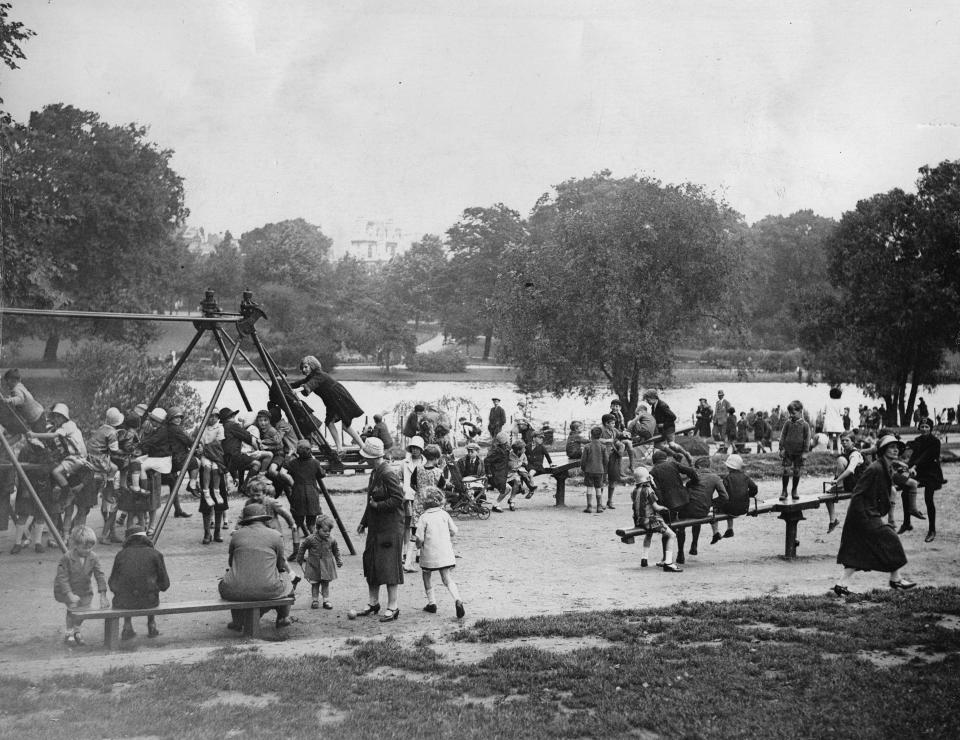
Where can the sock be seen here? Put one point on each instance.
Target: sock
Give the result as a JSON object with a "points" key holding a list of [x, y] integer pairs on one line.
{"points": [[645, 552], [206, 524], [785, 479], [796, 484], [931, 510], [430, 597], [217, 522]]}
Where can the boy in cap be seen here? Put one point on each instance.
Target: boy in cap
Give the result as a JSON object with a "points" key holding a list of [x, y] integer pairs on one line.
{"points": [[139, 575]]}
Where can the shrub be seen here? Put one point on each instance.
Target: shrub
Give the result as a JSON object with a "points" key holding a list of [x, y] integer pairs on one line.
{"points": [[444, 361], [109, 374]]}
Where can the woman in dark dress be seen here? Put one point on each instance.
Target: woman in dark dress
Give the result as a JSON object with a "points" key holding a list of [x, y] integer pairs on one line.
{"points": [[925, 467], [383, 522], [336, 399], [867, 542]]}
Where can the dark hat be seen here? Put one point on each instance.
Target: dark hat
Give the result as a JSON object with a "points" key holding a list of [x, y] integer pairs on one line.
{"points": [[659, 456], [254, 513], [494, 399], [135, 529], [226, 413]]}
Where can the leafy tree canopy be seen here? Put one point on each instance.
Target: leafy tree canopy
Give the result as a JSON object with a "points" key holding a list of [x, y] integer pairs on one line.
{"points": [[613, 271], [292, 253]]}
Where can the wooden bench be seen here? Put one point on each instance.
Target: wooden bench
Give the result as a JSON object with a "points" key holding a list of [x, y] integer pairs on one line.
{"points": [[112, 617], [790, 512]]}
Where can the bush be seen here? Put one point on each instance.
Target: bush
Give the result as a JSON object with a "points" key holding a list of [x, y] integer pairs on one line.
{"points": [[109, 374], [444, 361]]}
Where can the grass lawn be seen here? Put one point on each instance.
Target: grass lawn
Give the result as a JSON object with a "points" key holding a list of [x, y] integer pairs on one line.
{"points": [[881, 665]]}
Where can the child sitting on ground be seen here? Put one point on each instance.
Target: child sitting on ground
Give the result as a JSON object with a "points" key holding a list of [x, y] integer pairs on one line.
{"points": [[138, 576], [319, 556], [434, 534], [72, 583], [646, 514]]}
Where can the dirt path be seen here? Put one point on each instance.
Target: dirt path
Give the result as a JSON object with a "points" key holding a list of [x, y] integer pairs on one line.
{"points": [[538, 560]]}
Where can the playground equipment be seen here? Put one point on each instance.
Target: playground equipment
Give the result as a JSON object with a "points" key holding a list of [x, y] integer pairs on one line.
{"points": [[212, 320]]}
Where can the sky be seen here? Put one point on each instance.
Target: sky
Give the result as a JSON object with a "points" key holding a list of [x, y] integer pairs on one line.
{"points": [[414, 111]]}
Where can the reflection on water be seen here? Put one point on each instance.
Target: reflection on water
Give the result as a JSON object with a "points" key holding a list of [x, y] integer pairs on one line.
{"points": [[383, 397]]}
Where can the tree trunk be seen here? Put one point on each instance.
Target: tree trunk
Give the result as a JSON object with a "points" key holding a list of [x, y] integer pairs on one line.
{"points": [[487, 341], [907, 418], [51, 347], [416, 321]]}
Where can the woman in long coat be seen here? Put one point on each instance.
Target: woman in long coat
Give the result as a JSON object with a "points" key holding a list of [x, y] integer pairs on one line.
{"points": [[383, 521], [867, 541], [339, 404]]}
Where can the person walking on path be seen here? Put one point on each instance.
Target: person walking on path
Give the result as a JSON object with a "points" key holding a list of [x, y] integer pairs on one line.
{"points": [[866, 541], [384, 526]]}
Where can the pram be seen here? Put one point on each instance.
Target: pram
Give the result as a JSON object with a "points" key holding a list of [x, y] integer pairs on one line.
{"points": [[469, 499]]}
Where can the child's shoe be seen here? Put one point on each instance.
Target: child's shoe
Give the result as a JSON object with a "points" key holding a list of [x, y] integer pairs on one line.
{"points": [[783, 497], [327, 605], [431, 608], [460, 610], [152, 631], [728, 533], [207, 539], [492, 508], [600, 509], [716, 538], [796, 496], [672, 568], [610, 505], [833, 525], [15, 549], [315, 604], [644, 563], [588, 510]]}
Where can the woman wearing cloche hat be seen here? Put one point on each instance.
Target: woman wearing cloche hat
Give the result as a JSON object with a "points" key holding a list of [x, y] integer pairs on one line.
{"points": [[867, 542]]}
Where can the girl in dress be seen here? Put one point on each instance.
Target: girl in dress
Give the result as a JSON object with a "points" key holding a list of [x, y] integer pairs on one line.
{"points": [[319, 556], [435, 531], [337, 400]]}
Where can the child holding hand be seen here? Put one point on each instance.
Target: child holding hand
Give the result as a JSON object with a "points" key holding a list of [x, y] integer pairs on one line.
{"points": [[72, 584], [434, 533], [319, 556], [646, 514]]}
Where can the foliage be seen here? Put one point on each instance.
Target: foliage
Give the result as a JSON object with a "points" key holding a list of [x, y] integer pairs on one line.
{"points": [[889, 320], [112, 374], [613, 271], [478, 243], [12, 34], [418, 277], [291, 253], [91, 211], [222, 271], [771, 361], [445, 361]]}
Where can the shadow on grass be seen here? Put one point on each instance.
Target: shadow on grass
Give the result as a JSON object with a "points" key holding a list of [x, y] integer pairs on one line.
{"points": [[767, 667]]}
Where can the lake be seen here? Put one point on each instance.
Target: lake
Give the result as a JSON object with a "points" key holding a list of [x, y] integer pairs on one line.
{"points": [[465, 398]]}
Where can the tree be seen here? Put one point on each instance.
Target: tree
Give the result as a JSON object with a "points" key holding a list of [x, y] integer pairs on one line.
{"points": [[417, 277], [478, 243], [93, 211], [892, 314], [787, 264], [12, 34], [222, 270], [292, 253], [613, 271]]}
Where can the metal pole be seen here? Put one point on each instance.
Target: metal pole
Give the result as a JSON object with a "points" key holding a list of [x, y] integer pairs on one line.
{"points": [[33, 494], [56, 314], [176, 369], [196, 441], [233, 372], [244, 355]]}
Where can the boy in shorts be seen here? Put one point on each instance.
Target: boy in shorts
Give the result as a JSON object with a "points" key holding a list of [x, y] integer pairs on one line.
{"points": [[794, 444], [594, 465]]}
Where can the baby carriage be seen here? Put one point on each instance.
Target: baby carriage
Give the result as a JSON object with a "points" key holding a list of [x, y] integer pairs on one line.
{"points": [[470, 500]]}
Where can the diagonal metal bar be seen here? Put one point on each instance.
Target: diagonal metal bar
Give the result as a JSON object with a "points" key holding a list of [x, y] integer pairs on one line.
{"points": [[233, 371], [54, 532], [176, 369]]}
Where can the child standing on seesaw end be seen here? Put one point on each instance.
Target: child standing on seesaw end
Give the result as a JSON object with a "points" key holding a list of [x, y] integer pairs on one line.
{"points": [[72, 583], [646, 514], [795, 437], [434, 534], [319, 556], [593, 463]]}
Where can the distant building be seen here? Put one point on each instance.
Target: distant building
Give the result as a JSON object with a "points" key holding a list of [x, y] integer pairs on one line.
{"points": [[199, 241], [376, 242]]}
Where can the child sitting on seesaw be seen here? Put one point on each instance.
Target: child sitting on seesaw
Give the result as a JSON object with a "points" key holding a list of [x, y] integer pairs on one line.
{"points": [[646, 514]]}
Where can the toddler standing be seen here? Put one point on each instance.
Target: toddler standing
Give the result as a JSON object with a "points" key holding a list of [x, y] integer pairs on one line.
{"points": [[434, 534], [72, 583], [319, 556]]}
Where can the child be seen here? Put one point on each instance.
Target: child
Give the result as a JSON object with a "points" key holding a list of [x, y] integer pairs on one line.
{"points": [[261, 491], [430, 474], [762, 432], [307, 476], [213, 498], [743, 428], [730, 430], [537, 456], [272, 442], [137, 578], [517, 473], [319, 556], [646, 514], [72, 584], [434, 532], [740, 489], [794, 444], [593, 463]]}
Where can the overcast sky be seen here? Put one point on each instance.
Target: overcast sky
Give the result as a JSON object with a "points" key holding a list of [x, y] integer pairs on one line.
{"points": [[414, 111]]}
